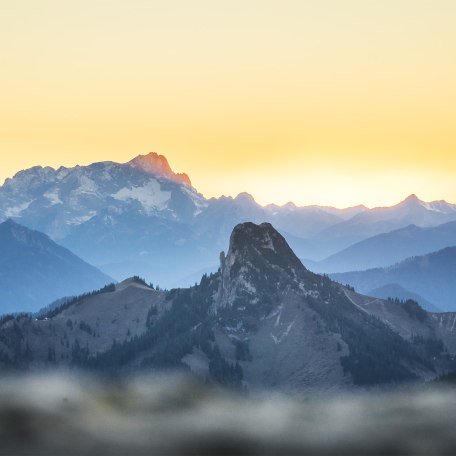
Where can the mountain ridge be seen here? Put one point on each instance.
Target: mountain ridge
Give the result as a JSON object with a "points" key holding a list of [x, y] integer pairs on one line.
{"points": [[158, 165], [433, 276], [262, 321], [388, 248], [35, 271], [385, 219], [130, 218], [127, 218]]}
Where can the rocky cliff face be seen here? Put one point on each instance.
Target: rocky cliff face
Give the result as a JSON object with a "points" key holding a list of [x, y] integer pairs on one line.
{"points": [[259, 263], [158, 165]]}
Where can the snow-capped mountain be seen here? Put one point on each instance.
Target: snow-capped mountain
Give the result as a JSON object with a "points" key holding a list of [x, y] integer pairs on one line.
{"points": [[122, 217], [141, 217], [56, 201]]}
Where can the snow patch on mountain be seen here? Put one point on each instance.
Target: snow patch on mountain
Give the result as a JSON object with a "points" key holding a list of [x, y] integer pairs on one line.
{"points": [[150, 196], [82, 219], [198, 200], [438, 206], [279, 338], [15, 211], [87, 186], [53, 197]]}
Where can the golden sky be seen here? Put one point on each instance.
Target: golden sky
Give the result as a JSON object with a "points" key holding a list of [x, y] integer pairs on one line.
{"points": [[325, 101]]}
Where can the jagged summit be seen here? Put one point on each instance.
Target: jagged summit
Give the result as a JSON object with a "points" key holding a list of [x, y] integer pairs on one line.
{"points": [[158, 165], [411, 200], [250, 241], [412, 197], [259, 262]]}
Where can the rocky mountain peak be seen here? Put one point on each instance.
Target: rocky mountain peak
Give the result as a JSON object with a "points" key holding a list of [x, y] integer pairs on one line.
{"points": [[411, 200], [158, 165], [245, 198], [259, 261], [250, 241]]}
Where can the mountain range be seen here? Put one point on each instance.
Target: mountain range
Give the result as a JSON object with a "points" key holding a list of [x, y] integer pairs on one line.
{"points": [[396, 291], [261, 321], [432, 276], [389, 248], [411, 211], [34, 270], [143, 218]]}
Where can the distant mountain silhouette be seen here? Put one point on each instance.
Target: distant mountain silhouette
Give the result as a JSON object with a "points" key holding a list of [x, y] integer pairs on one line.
{"points": [[395, 291], [432, 276], [34, 270], [411, 211], [389, 248]]}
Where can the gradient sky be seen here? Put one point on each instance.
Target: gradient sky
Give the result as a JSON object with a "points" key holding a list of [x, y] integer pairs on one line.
{"points": [[331, 102]]}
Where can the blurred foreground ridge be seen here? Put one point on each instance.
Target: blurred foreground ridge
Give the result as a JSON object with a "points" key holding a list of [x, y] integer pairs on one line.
{"points": [[54, 415]]}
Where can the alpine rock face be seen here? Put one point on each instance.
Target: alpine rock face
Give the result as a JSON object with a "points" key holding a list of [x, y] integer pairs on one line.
{"points": [[262, 321], [57, 201]]}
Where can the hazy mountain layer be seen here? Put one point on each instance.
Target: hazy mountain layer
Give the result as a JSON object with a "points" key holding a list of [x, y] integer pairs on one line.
{"points": [[432, 276], [143, 218], [393, 290], [389, 248], [35, 271], [383, 220]]}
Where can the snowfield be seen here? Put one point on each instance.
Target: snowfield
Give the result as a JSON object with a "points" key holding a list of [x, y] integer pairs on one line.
{"points": [[150, 195]]}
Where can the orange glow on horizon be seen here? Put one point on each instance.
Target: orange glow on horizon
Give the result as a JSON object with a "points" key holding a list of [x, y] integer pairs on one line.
{"points": [[317, 102]]}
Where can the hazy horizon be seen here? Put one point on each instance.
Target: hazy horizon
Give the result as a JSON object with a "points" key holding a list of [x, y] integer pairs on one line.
{"points": [[257, 200], [295, 100]]}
